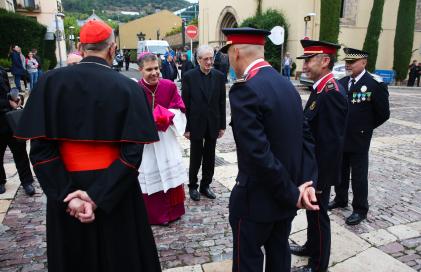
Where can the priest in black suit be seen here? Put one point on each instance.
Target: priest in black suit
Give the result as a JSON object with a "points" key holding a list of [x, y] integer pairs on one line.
{"points": [[204, 96]]}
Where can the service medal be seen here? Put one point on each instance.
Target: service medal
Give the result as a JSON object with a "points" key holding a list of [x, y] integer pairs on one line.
{"points": [[368, 96], [363, 88], [363, 98], [359, 98]]}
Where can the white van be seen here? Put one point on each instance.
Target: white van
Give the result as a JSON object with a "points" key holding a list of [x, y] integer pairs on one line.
{"points": [[153, 46]]}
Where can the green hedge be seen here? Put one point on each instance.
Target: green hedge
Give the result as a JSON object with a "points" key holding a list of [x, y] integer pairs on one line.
{"points": [[268, 20], [27, 33], [371, 43], [404, 38], [330, 11]]}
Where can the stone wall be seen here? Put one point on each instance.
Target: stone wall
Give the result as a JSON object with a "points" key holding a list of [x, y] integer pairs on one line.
{"points": [[350, 12], [418, 16]]}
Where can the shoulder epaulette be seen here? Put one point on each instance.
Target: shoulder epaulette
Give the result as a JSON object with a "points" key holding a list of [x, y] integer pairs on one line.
{"points": [[331, 86], [378, 80]]}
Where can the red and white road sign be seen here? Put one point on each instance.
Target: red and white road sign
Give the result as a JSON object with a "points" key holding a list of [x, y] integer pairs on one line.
{"points": [[192, 31]]}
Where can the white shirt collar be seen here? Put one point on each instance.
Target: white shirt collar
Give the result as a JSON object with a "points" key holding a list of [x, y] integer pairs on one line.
{"points": [[357, 77], [251, 65], [319, 81]]}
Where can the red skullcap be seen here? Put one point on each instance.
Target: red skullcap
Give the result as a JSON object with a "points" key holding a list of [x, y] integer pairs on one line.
{"points": [[95, 31]]}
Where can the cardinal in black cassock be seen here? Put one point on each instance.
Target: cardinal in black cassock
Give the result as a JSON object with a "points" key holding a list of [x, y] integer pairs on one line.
{"points": [[87, 125]]}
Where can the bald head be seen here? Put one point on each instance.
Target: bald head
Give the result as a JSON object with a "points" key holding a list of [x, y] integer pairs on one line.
{"points": [[241, 55]]}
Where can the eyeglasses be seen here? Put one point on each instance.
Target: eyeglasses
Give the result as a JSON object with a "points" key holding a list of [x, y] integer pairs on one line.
{"points": [[207, 59]]}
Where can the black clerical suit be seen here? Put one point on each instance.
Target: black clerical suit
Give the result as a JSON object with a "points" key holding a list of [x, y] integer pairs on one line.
{"points": [[267, 122], [205, 99], [17, 147], [326, 111], [368, 108]]}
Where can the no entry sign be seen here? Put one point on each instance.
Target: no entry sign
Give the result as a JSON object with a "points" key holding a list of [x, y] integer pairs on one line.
{"points": [[191, 31]]}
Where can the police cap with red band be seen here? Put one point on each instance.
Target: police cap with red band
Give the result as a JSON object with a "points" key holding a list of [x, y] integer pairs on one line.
{"points": [[95, 31], [244, 35], [313, 48]]}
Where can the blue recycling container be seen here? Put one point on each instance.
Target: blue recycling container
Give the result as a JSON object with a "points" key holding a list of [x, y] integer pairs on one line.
{"points": [[387, 75]]}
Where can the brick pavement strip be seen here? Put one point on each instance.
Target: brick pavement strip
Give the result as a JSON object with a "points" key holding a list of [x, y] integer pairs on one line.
{"points": [[203, 235]]}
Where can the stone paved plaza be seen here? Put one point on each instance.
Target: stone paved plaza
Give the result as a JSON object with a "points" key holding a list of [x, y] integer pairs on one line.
{"points": [[389, 240]]}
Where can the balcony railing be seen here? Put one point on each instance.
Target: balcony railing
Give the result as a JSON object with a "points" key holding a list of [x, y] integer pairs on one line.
{"points": [[28, 5]]}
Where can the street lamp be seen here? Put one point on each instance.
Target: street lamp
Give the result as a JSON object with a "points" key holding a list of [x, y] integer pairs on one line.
{"points": [[307, 19], [59, 36], [141, 36], [71, 37]]}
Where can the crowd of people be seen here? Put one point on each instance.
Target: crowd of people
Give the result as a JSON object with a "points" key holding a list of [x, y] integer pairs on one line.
{"points": [[113, 165], [414, 73]]}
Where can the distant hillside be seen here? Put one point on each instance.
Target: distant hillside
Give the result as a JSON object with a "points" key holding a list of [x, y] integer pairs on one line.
{"points": [[112, 6]]}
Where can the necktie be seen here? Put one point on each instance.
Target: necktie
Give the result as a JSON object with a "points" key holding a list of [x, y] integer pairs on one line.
{"points": [[351, 87]]}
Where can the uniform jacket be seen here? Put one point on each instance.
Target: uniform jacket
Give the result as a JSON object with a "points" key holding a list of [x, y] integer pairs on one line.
{"points": [[326, 111], [204, 112], [368, 109], [267, 123]]}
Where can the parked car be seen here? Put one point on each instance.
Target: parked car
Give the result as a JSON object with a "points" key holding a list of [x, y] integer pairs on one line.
{"points": [[338, 72]]}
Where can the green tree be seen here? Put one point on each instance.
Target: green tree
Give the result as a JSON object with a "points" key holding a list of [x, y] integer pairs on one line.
{"points": [[404, 38], [26, 33], [330, 11], [268, 20], [371, 43]]}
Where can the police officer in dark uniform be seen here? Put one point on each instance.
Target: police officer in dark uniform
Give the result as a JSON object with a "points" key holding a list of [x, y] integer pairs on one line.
{"points": [[326, 111], [368, 108], [267, 122], [17, 147]]}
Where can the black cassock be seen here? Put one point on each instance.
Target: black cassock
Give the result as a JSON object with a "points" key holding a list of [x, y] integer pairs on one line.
{"points": [[90, 103]]}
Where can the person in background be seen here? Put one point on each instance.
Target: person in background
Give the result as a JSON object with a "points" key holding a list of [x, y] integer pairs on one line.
{"points": [[32, 68], [169, 69], [127, 59], [18, 70], [25, 77], [186, 65], [38, 58], [287, 64], [418, 74], [162, 173], [413, 71]]}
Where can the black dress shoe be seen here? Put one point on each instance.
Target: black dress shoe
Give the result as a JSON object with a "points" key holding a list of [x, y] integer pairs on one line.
{"points": [[194, 194], [207, 192], [333, 205], [2, 189], [355, 219], [299, 250], [308, 269], [29, 189]]}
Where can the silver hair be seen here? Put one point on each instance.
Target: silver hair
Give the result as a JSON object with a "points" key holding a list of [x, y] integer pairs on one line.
{"points": [[204, 49], [98, 46]]}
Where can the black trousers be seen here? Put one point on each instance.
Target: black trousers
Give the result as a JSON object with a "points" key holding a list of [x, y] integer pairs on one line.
{"points": [[249, 237], [20, 157], [354, 165], [318, 233], [202, 152]]}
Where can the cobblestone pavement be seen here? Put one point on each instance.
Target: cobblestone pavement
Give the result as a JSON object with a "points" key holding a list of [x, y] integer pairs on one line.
{"points": [[203, 235]]}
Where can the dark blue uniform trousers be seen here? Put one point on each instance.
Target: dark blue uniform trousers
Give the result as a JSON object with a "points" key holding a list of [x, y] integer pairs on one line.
{"points": [[250, 236], [318, 233], [355, 164]]}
